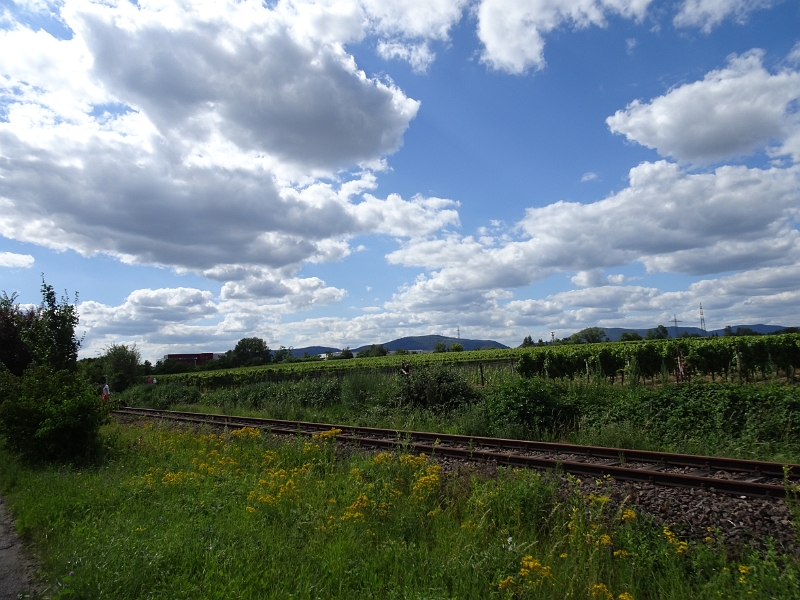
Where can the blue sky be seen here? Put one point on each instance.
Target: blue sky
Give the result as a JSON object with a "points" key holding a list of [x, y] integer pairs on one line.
{"points": [[352, 171]]}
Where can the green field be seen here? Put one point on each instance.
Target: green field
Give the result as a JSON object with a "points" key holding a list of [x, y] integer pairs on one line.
{"points": [[174, 514]]}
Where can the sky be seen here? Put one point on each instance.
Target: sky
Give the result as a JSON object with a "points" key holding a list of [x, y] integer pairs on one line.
{"points": [[347, 172]]}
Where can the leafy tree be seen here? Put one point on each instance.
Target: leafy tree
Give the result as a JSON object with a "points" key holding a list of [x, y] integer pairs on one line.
{"points": [[629, 336], [527, 342], [372, 351], [728, 331], [592, 335], [746, 331], [51, 337], [44, 335], [169, 366], [401, 352], [440, 347], [14, 322], [346, 353], [786, 330], [50, 411], [121, 366], [455, 347], [252, 351], [659, 333]]}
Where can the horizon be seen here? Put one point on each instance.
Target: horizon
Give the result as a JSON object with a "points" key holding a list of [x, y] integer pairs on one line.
{"points": [[330, 172]]}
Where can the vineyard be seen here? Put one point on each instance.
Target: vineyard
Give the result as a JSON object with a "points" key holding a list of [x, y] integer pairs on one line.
{"points": [[743, 358]]}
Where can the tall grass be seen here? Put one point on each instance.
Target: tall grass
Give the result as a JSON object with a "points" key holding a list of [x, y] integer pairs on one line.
{"points": [[237, 515], [757, 420]]}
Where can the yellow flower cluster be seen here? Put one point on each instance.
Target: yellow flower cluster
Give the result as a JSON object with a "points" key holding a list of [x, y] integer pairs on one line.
{"points": [[279, 485], [414, 461], [178, 478], [600, 589], [327, 436], [355, 512], [599, 499], [531, 566], [384, 458], [507, 583], [628, 515], [680, 547], [246, 433], [531, 574], [427, 483]]}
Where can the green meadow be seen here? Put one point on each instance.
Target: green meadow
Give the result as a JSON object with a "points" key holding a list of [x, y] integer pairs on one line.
{"points": [[172, 513]]}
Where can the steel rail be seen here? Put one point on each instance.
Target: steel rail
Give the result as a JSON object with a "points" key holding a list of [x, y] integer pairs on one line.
{"points": [[594, 461]]}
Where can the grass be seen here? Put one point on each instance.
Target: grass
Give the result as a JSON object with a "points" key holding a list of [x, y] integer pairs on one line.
{"points": [[759, 421], [174, 514]]}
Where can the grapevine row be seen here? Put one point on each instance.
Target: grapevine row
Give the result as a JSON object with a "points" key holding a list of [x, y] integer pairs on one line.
{"points": [[743, 357]]}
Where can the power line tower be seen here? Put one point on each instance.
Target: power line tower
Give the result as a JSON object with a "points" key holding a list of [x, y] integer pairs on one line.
{"points": [[702, 320], [676, 321], [458, 332]]}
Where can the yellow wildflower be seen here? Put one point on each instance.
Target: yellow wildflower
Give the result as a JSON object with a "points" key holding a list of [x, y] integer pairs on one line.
{"points": [[250, 509], [506, 583], [628, 515], [600, 589], [625, 596]]}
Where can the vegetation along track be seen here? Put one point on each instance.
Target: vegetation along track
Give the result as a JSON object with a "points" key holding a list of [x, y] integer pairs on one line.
{"points": [[726, 475]]}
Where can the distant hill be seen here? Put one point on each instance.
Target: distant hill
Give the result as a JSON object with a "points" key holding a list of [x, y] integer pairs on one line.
{"points": [[428, 342], [420, 342], [614, 333], [313, 350]]}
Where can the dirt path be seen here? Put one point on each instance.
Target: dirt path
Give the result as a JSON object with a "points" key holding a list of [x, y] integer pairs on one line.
{"points": [[16, 570]]}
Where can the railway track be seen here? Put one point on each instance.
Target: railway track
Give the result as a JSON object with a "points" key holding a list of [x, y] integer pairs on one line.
{"points": [[746, 478]]}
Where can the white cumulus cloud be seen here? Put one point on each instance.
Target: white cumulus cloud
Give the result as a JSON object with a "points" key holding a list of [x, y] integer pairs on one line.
{"points": [[18, 261], [707, 14], [512, 31], [732, 111]]}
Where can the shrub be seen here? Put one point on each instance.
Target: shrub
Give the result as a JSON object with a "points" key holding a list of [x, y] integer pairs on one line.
{"points": [[438, 387], [52, 415], [161, 395], [532, 402]]}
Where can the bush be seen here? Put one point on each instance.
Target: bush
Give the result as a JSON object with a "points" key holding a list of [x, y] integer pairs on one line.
{"points": [[52, 415], [532, 402], [161, 395], [438, 387]]}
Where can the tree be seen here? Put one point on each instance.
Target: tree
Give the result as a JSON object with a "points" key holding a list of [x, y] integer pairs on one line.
{"points": [[346, 353], [14, 353], [746, 331], [49, 411], [659, 333], [527, 342], [401, 352], [592, 335], [251, 351], [440, 347], [372, 351], [44, 335], [629, 336], [455, 347], [51, 338], [728, 331], [121, 366]]}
